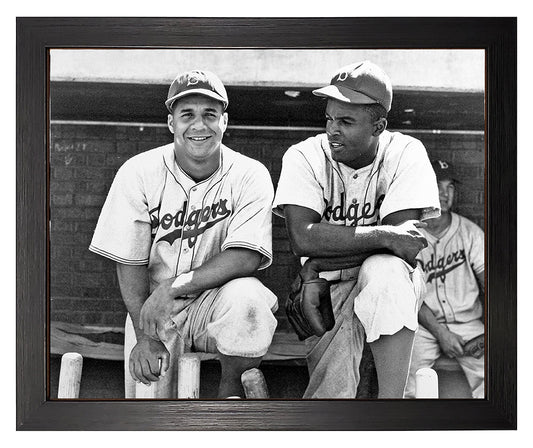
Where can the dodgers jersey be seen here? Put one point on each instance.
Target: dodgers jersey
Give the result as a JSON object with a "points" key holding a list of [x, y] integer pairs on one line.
{"points": [[155, 214], [400, 178], [450, 264]]}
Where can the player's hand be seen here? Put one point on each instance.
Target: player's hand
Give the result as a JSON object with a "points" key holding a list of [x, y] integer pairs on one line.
{"points": [[451, 343], [159, 306], [406, 241], [145, 365]]}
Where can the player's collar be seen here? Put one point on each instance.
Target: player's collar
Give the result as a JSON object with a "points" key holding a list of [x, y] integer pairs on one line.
{"points": [[450, 230]]}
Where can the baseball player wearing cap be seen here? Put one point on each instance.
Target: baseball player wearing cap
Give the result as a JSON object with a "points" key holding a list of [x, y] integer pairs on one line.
{"points": [[188, 223], [452, 313], [352, 199]]}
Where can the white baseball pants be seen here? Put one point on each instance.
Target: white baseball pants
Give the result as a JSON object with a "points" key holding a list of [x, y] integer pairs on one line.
{"points": [[236, 320], [426, 351], [384, 299]]}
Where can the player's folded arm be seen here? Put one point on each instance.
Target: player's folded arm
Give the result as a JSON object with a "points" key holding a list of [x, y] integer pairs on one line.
{"points": [[244, 261], [312, 238], [332, 247], [299, 221], [232, 263]]}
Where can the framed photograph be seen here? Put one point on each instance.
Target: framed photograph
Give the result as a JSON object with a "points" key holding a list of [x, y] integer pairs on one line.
{"points": [[91, 94]]}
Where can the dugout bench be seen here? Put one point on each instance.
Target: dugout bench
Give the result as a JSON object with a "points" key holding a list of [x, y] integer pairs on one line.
{"points": [[106, 343]]}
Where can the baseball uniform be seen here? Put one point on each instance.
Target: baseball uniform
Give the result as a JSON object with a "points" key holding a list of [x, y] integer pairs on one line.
{"points": [[156, 215], [450, 264], [399, 178]]}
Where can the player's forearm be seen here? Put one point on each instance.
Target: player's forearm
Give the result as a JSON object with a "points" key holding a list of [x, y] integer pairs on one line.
{"points": [[427, 319], [134, 288], [328, 240], [311, 237], [217, 271]]}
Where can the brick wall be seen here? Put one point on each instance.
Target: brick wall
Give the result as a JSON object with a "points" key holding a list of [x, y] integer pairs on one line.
{"points": [[84, 159]]}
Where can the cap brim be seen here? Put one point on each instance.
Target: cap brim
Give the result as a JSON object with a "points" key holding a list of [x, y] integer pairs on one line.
{"points": [[446, 177], [343, 94], [203, 92]]}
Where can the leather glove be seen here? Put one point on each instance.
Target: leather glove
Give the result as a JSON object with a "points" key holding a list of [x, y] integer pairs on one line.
{"points": [[309, 308]]}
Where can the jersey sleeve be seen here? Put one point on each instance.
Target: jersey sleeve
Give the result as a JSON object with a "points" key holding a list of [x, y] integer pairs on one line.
{"points": [[123, 231], [477, 249], [250, 224], [298, 184], [413, 185]]}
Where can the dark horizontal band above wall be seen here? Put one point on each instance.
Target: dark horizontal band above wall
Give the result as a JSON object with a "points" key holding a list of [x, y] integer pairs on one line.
{"points": [[265, 106]]}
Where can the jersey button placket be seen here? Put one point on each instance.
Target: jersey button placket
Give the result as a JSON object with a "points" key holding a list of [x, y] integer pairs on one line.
{"points": [[185, 255]]}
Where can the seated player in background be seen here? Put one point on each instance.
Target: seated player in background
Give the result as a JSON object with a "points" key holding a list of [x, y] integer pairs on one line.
{"points": [[451, 317]]}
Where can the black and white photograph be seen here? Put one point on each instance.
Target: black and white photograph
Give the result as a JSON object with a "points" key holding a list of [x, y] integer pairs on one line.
{"points": [[266, 223], [281, 224]]}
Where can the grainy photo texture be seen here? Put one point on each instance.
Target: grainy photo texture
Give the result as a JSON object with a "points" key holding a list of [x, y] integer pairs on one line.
{"points": [[267, 224]]}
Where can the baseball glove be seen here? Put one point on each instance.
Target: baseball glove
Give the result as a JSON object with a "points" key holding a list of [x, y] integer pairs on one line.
{"points": [[309, 308], [475, 347]]}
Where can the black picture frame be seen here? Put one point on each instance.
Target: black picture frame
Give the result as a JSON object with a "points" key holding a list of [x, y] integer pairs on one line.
{"points": [[497, 36]]}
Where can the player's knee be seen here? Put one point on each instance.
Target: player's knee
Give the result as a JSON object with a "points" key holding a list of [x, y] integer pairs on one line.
{"points": [[242, 287], [246, 296], [384, 266], [245, 323]]}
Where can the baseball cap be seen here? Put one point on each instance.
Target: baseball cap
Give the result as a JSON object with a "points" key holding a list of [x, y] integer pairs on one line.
{"points": [[359, 83], [200, 82], [444, 170]]}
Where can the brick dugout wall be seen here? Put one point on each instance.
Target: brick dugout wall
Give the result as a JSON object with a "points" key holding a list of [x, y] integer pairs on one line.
{"points": [[85, 158]]}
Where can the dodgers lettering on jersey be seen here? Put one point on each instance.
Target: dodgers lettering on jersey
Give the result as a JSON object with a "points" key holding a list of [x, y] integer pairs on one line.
{"points": [[197, 222], [155, 214], [438, 268], [450, 264], [354, 213]]}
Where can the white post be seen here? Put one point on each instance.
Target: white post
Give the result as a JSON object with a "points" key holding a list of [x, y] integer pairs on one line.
{"points": [[144, 391], [70, 375], [254, 384], [166, 386], [150, 391], [427, 383], [188, 376]]}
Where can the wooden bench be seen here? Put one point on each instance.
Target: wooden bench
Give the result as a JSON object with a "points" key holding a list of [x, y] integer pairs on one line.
{"points": [[67, 337], [285, 349]]}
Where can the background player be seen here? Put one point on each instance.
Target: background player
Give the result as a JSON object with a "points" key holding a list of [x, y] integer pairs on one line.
{"points": [[352, 199], [188, 223], [452, 313]]}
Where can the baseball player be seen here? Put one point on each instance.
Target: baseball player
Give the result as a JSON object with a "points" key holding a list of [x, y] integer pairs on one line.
{"points": [[353, 199], [451, 318], [188, 223]]}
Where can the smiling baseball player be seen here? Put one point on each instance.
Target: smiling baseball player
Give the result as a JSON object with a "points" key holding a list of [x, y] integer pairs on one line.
{"points": [[352, 199], [188, 223]]}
